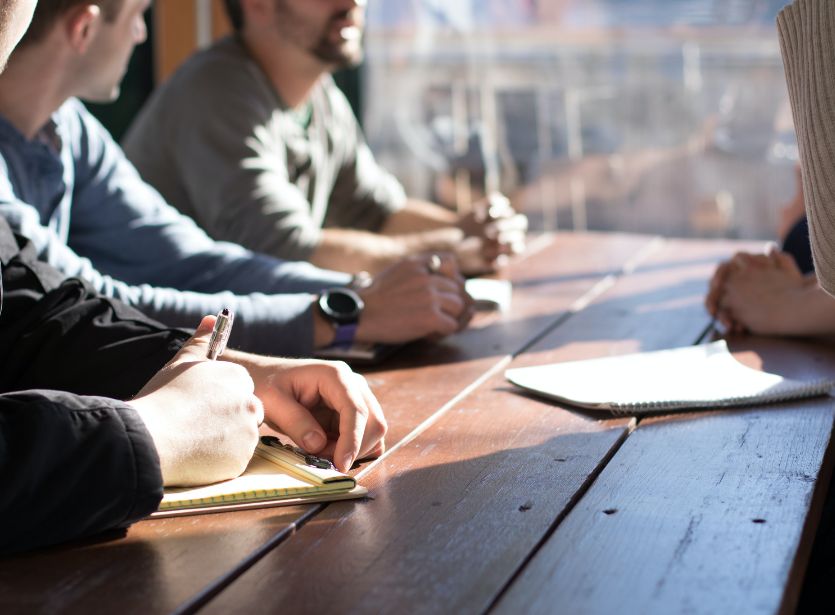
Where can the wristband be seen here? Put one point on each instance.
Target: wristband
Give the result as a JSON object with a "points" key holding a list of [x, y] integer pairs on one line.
{"points": [[345, 334]]}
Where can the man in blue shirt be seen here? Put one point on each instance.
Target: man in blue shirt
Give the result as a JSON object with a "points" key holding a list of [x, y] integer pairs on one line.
{"points": [[98, 403], [70, 190]]}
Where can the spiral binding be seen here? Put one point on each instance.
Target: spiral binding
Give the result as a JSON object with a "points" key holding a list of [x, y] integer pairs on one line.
{"points": [[789, 390]]}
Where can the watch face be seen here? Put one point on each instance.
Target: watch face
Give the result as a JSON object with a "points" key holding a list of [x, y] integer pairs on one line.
{"points": [[341, 305]]}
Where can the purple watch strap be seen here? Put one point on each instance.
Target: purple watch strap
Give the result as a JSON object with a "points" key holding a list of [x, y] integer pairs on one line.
{"points": [[345, 334]]}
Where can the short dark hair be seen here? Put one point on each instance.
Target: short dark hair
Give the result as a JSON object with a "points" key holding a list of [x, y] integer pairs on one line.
{"points": [[235, 14], [48, 11]]}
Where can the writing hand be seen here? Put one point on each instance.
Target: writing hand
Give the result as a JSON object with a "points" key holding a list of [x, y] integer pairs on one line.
{"points": [[201, 414]]}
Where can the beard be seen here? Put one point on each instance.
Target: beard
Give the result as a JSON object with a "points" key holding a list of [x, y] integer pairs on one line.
{"points": [[349, 54], [344, 53]]}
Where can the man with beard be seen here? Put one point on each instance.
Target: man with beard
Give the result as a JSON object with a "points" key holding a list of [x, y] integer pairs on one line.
{"points": [[100, 406], [253, 140], [69, 189]]}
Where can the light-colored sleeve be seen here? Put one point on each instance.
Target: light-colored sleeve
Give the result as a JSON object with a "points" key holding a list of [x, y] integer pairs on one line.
{"points": [[220, 154], [364, 194], [807, 41], [227, 159], [128, 230]]}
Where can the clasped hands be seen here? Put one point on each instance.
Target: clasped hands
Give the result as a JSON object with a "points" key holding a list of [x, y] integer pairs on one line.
{"points": [[763, 294], [493, 230]]}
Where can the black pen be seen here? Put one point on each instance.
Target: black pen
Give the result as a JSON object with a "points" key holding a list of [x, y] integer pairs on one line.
{"points": [[220, 334]]}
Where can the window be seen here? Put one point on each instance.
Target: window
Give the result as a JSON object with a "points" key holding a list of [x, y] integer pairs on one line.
{"points": [[663, 116]]}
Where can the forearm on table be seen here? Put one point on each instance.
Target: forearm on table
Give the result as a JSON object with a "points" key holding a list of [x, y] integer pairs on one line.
{"points": [[354, 251], [417, 216]]}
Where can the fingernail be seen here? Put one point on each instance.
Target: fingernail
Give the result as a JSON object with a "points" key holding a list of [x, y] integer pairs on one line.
{"points": [[347, 461], [313, 441]]}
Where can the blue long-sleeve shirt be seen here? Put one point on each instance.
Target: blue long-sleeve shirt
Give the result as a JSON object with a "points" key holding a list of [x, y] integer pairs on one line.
{"points": [[73, 193]]}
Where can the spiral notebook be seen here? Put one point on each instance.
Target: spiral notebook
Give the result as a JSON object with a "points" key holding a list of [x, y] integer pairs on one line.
{"points": [[277, 475], [705, 376]]}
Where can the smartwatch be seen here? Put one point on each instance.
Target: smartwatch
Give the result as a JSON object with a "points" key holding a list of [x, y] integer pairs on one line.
{"points": [[342, 307]]}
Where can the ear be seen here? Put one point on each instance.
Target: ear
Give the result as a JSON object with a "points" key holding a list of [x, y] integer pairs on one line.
{"points": [[81, 25]]}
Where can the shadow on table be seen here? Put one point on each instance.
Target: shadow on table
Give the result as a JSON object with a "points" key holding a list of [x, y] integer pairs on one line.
{"points": [[157, 564]]}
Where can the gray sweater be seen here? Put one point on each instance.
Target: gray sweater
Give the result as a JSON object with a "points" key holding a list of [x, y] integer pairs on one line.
{"points": [[222, 147]]}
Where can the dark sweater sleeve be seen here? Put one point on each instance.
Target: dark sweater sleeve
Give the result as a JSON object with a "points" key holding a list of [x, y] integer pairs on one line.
{"points": [[57, 333], [71, 467]]}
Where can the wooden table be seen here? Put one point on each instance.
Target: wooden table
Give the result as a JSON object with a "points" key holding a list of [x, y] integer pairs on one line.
{"points": [[493, 501]]}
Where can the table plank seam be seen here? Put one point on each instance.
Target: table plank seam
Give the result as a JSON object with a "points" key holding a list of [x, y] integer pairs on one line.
{"points": [[595, 292], [600, 288], [575, 499], [438, 414], [199, 600], [203, 597], [576, 307]]}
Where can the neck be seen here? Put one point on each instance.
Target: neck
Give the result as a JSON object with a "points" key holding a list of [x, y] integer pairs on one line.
{"points": [[292, 72], [26, 101]]}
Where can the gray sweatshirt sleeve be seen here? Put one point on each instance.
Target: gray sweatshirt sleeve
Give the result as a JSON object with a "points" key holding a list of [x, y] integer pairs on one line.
{"points": [[219, 155], [807, 40]]}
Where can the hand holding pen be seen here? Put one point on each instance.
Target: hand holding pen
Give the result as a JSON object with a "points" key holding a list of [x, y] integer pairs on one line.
{"points": [[202, 414]]}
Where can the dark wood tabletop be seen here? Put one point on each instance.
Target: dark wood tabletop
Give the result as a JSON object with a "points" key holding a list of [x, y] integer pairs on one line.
{"points": [[489, 500]]}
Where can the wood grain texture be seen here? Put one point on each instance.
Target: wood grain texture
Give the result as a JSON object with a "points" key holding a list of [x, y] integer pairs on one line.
{"points": [[423, 377], [220, 22], [175, 32], [175, 35], [696, 513], [455, 512], [458, 510], [158, 565], [162, 564]]}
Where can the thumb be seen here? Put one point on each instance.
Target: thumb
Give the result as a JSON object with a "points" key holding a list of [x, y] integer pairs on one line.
{"points": [[197, 346]]}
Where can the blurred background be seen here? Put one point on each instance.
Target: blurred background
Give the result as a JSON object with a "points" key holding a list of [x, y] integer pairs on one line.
{"points": [[656, 116]]}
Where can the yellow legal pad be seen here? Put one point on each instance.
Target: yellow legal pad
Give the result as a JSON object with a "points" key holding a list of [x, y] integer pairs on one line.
{"points": [[277, 475]]}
